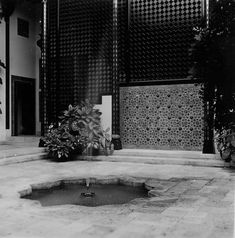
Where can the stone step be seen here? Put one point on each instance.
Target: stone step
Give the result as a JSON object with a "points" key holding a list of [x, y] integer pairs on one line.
{"points": [[166, 154], [28, 139], [22, 158], [14, 152], [157, 160]]}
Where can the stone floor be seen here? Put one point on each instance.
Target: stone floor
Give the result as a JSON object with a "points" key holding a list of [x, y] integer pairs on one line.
{"points": [[193, 202]]}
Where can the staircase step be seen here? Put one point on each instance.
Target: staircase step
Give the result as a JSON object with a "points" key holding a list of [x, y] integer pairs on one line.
{"points": [[29, 139], [157, 160], [14, 152], [166, 154], [22, 158]]}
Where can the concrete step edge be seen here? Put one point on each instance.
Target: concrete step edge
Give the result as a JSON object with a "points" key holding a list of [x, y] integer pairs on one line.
{"points": [[20, 151], [23, 158], [23, 139], [167, 154], [149, 160]]}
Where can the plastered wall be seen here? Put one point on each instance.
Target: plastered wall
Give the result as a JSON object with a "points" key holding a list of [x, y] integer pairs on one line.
{"points": [[24, 57], [106, 110]]}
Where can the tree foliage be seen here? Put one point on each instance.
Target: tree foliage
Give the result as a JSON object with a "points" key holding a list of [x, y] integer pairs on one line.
{"points": [[213, 57]]}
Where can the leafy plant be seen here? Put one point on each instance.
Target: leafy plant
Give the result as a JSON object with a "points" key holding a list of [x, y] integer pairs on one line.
{"points": [[85, 121], [79, 129], [59, 142], [212, 62], [226, 143]]}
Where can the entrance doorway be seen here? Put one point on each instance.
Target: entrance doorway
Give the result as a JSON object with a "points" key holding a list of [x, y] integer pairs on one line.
{"points": [[23, 106]]}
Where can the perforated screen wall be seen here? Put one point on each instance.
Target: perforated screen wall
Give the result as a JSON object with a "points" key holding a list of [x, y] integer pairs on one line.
{"points": [[51, 62], [159, 36], [148, 43], [81, 52]]}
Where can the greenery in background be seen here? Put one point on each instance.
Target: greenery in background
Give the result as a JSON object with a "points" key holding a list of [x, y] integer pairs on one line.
{"points": [[79, 130], [213, 57], [226, 143]]}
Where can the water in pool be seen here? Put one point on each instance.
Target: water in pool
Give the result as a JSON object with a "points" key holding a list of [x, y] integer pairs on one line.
{"points": [[95, 195]]}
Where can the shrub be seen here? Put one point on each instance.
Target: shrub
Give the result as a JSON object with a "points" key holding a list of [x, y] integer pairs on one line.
{"points": [[78, 130]]}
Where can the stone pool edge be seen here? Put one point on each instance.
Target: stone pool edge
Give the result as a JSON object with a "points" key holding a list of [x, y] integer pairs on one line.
{"points": [[154, 186]]}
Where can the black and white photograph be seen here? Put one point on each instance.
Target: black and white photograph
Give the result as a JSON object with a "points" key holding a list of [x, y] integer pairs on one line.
{"points": [[117, 118]]}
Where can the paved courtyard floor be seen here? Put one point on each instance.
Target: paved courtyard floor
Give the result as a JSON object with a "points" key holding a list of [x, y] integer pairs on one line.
{"points": [[191, 202]]}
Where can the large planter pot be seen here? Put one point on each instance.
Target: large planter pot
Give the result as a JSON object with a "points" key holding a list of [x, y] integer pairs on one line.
{"points": [[116, 141], [225, 155]]}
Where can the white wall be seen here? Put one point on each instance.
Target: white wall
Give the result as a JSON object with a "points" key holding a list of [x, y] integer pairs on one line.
{"points": [[24, 53], [22, 49], [106, 109], [24, 56]]}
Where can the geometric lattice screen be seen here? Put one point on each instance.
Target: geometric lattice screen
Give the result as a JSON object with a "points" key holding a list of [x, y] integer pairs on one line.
{"points": [[81, 52], [160, 34], [51, 62], [152, 38], [161, 117]]}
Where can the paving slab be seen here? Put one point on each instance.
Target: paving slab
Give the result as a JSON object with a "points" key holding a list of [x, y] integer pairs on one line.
{"points": [[193, 202]]}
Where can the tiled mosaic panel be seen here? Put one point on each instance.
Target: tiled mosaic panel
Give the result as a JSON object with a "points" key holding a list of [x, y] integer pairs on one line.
{"points": [[161, 117]]}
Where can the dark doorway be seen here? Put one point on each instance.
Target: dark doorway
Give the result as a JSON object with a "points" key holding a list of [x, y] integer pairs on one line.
{"points": [[23, 106]]}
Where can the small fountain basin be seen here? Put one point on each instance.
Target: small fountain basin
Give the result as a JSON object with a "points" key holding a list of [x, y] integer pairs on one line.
{"points": [[86, 193]]}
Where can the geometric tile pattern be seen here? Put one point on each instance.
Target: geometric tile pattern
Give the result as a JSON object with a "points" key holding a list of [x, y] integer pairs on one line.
{"points": [[161, 117]]}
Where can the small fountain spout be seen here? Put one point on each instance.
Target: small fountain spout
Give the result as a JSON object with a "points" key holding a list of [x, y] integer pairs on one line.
{"points": [[88, 194], [87, 183]]}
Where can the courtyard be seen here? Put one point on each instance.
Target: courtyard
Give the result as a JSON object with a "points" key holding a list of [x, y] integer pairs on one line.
{"points": [[118, 92], [191, 201]]}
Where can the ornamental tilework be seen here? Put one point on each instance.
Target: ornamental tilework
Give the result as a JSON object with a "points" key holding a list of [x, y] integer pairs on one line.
{"points": [[161, 117]]}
